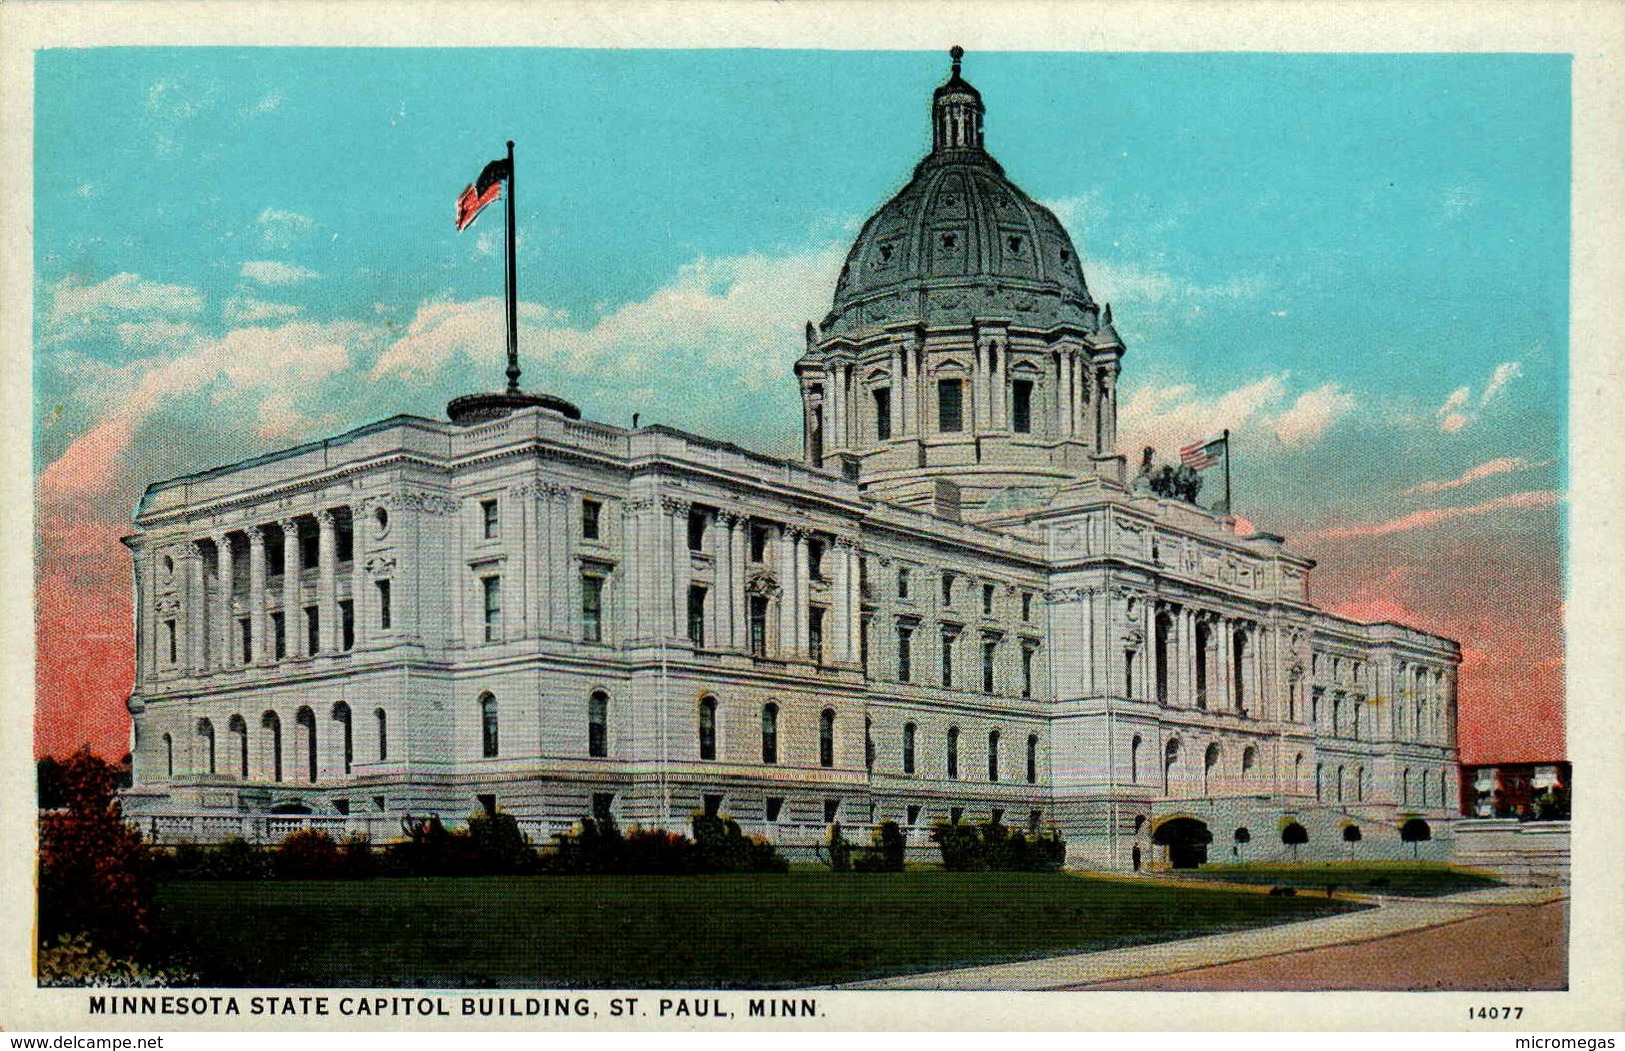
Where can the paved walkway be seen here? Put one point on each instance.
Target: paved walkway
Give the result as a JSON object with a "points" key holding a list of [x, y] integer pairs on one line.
{"points": [[1394, 917]]}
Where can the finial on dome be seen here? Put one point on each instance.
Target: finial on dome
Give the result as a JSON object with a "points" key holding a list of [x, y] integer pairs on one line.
{"points": [[1107, 317], [956, 53]]}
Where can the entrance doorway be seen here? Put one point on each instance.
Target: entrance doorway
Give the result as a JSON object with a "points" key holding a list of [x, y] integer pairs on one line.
{"points": [[1187, 840]]}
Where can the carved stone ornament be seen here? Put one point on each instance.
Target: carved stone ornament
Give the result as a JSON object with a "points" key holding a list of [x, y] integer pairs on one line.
{"points": [[428, 503], [1056, 596], [762, 583], [675, 506], [379, 563], [849, 542], [168, 604], [1133, 638]]}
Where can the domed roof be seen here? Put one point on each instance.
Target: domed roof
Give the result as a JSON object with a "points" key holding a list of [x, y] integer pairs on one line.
{"points": [[960, 241]]}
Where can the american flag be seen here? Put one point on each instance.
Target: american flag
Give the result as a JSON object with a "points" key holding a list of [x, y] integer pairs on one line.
{"points": [[1204, 454]]}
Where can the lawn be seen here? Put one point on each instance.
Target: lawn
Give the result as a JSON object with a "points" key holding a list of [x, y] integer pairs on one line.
{"points": [[1408, 878], [735, 931]]}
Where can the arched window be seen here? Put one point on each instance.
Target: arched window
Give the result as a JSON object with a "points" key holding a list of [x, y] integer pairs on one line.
{"points": [[993, 755], [341, 715], [598, 725], [826, 737], [770, 733], [908, 748], [708, 727], [1442, 796], [489, 736], [1170, 756], [1297, 772], [271, 723], [1210, 759], [237, 730], [305, 719], [1238, 677], [169, 756], [868, 743], [1159, 654], [953, 751], [1249, 757], [1405, 786], [1032, 759], [1339, 784], [1134, 760], [1320, 790], [205, 741], [383, 730]]}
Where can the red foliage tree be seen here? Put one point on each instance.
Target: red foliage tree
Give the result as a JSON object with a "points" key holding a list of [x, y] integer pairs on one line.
{"points": [[94, 872]]}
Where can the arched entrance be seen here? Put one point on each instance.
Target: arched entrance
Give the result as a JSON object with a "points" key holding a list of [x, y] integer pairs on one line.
{"points": [[1186, 839]]}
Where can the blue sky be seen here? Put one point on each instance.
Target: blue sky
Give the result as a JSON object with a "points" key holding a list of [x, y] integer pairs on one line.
{"points": [[1358, 263]]}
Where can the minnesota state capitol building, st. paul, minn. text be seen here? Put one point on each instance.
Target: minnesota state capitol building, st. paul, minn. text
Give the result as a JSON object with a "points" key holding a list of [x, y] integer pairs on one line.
{"points": [[960, 603]]}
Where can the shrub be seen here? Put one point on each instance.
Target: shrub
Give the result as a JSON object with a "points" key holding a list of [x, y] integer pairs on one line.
{"points": [[95, 873], [839, 851], [887, 852], [430, 849], [308, 853], [718, 846], [994, 847], [721, 847], [74, 961], [499, 846]]}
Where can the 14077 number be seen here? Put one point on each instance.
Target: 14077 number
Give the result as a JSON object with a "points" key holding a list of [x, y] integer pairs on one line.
{"points": [[1495, 1013]]}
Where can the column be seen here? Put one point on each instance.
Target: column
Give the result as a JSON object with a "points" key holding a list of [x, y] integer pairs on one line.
{"points": [[922, 422], [978, 387], [835, 647], [1064, 376], [850, 437], [327, 596], [1000, 386], [681, 568], [145, 615], [854, 598], [719, 604], [832, 408], [1188, 657], [1107, 412], [259, 652], [803, 592], [293, 605], [197, 624], [740, 539], [1227, 664], [787, 591], [899, 396], [224, 651]]}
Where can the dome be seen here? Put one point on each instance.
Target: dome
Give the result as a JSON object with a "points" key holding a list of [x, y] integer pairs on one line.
{"points": [[961, 241]]}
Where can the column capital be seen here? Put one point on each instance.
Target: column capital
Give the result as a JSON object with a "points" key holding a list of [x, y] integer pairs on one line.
{"points": [[846, 541], [675, 506], [324, 517], [256, 535]]}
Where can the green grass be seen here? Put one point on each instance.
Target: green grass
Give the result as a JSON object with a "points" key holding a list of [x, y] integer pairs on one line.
{"points": [[1425, 879], [736, 931]]}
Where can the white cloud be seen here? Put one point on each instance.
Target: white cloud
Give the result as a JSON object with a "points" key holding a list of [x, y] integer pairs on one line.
{"points": [[128, 296], [271, 272], [1488, 469], [248, 310], [1504, 374], [1459, 409], [1438, 515], [1313, 414], [1167, 417], [280, 228]]}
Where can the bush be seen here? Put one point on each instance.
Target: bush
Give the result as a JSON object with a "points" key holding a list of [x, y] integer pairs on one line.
{"points": [[309, 853], [95, 873], [721, 847], [430, 849], [887, 852], [598, 846], [838, 850], [994, 847], [74, 962], [499, 846]]}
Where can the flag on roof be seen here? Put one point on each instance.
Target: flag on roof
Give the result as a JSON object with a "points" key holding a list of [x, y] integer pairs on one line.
{"points": [[1204, 454], [481, 192]]}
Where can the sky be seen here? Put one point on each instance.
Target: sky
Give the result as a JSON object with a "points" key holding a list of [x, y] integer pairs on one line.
{"points": [[1358, 264]]}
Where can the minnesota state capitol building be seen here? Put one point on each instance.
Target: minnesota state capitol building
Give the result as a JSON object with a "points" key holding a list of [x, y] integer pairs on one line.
{"points": [[957, 605]]}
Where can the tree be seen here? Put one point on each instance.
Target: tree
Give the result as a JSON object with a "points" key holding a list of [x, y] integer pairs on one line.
{"points": [[94, 870], [1351, 836], [1294, 835], [1243, 837], [1415, 831]]}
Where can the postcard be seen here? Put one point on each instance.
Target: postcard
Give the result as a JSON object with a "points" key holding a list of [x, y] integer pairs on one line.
{"points": [[742, 517]]}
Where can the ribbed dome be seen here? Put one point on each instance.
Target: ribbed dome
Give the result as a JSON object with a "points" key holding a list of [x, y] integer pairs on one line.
{"points": [[960, 241]]}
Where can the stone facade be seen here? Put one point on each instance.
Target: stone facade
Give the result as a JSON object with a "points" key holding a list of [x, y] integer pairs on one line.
{"points": [[955, 607]]}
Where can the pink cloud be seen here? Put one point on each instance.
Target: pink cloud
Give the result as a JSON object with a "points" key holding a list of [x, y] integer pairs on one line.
{"points": [[1439, 515], [1499, 465]]}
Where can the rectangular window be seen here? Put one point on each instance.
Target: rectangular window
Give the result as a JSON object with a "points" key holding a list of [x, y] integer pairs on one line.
{"points": [[385, 614], [758, 543], [347, 625], [310, 547], [815, 559], [832, 810], [902, 582], [947, 659], [883, 413], [905, 645], [603, 806], [947, 589], [279, 635], [697, 520], [491, 592], [758, 625], [990, 653], [696, 614], [950, 406], [591, 512], [1021, 406], [1027, 670], [313, 629], [815, 634], [490, 524], [592, 607], [1026, 605], [245, 632], [169, 641], [863, 644], [775, 806], [913, 813], [987, 600]]}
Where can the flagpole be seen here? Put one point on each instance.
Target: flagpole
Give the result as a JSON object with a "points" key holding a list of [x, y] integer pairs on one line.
{"points": [[513, 295], [1227, 509]]}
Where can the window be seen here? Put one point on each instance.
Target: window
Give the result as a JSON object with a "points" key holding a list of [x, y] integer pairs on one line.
{"points": [[347, 625], [712, 803], [708, 727], [592, 607], [696, 614], [815, 559], [310, 544], [603, 807], [815, 634], [1249, 757], [908, 748], [993, 755], [905, 645], [868, 743], [169, 756], [948, 635], [1021, 406], [169, 641], [758, 625], [1027, 652], [883, 413], [774, 806], [863, 644], [1159, 655], [913, 813], [953, 752], [279, 635], [1238, 678], [758, 543], [955, 813], [1026, 605], [488, 726], [902, 582], [245, 638], [313, 629], [382, 719], [237, 727], [1128, 671], [341, 715], [950, 404], [826, 737], [272, 724], [1032, 759], [996, 815], [1134, 760], [990, 654], [385, 614], [987, 600], [832, 811], [947, 589], [343, 535], [490, 523], [591, 517], [487, 803], [205, 737], [697, 520], [305, 719], [491, 587], [598, 725], [770, 733]]}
